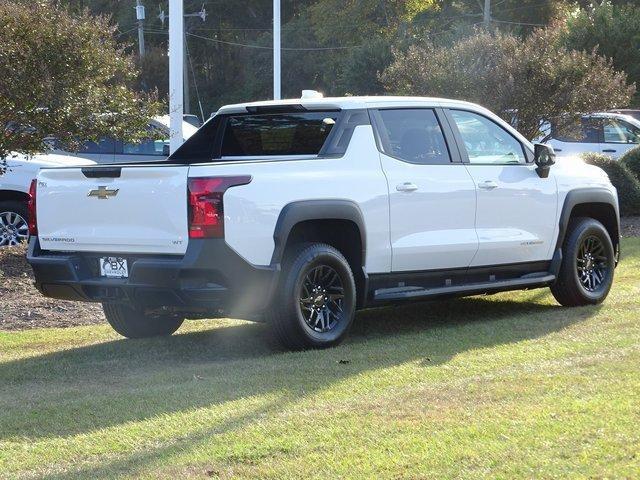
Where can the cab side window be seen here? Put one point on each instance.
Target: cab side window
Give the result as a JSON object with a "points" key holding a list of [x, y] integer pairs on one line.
{"points": [[146, 147], [413, 135], [102, 146], [617, 131], [584, 130], [487, 142]]}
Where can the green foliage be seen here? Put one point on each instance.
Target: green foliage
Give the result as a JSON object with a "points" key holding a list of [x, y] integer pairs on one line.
{"points": [[335, 46], [631, 160], [611, 30], [64, 75], [622, 178], [534, 76], [363, 67]]}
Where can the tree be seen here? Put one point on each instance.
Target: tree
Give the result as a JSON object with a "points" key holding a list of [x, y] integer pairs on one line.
{"points": [[535, 77], [64, 76], [613, 31]]}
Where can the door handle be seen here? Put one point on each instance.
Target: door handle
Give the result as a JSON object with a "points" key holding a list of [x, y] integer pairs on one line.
{"points": [[406, 187], [488, 185], [609, 150]]}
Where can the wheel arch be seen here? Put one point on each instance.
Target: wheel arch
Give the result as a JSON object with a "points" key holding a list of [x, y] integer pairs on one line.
{"points": [[13, 195], [339, 223], [597, 203]]}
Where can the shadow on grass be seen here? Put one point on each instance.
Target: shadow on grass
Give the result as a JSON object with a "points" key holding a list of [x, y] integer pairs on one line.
{"points": [[84, 389]]}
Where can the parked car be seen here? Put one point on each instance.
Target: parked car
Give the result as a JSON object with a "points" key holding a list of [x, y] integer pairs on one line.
{"points": [[14, 192], [610, 133], [631, 112], [107, 150], [192, 119], [299, 212]]}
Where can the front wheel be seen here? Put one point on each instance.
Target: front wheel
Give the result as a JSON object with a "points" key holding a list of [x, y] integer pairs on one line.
{"points": [[315, 303], [588, 263], [133, 322]]}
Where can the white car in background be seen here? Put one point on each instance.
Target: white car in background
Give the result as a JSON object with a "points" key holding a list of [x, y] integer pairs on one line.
{"points": [[611, 134], [108, 150], [14, 191]]}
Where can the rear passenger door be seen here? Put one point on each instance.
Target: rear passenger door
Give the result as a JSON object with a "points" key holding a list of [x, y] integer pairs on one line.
{"points": [[516, 212], [431, 194]]}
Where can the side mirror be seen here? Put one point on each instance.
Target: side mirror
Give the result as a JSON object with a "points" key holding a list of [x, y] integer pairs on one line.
{"points": [[544, 157], [166, 150]]}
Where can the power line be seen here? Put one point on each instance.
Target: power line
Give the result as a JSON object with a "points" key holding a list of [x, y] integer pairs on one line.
{"points": [[264, 47], [195, 82], [518, 23], [119, 34], [524, 7]]}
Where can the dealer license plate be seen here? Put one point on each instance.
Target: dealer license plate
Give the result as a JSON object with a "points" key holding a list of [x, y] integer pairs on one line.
{"points": [[113, 267]]}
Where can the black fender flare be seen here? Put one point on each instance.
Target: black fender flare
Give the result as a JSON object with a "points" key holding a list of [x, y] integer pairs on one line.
{"points": [[579, 197], [305, 210]]}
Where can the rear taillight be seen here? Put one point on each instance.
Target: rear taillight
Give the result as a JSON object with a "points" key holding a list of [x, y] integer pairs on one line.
{"points": [[206, 210], [31, 206]]}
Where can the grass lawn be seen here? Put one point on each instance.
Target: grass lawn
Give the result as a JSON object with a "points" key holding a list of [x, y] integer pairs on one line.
{"points": [[508, 386]]}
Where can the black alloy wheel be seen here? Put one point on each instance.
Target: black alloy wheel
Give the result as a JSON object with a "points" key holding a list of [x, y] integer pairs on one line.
{"points": [[321, 296]]}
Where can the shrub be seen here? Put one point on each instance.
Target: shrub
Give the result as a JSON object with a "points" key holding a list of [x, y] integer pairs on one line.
{"points": [[613, 31], [631, 160], [534, 76], [627, 184], [63, 75]]}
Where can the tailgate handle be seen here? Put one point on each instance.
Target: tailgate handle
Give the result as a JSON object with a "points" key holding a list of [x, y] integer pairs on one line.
{"points": [[100, 172]]}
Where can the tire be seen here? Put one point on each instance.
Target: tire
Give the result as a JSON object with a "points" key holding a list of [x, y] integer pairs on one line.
{"points": [[14, 223], [132, 322], [314, 304], [588, 264]]}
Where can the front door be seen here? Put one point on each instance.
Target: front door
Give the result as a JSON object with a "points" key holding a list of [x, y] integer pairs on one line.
{"points": [[516, 213], [431, 194], [573, 138], [618, 137]]}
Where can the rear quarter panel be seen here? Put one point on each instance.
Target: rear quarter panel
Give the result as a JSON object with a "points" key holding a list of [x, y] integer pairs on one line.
{"points": [[252, 211]]}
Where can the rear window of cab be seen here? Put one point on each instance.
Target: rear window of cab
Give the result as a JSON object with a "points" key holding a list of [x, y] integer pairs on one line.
{"points": [[276, 134], [235, 137]]}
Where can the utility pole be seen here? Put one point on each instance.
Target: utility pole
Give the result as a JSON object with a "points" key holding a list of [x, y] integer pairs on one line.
{"points": [[140, 18], [276, 51], [202, 15], [176, 69], [487, 13], [185, 75]]}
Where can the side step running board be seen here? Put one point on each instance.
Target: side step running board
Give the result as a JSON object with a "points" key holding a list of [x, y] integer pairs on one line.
{"points": [[405, 293]]}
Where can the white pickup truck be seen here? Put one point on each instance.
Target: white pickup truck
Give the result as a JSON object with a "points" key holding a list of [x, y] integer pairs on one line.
{"points": [[299, 212], [16, 174]]}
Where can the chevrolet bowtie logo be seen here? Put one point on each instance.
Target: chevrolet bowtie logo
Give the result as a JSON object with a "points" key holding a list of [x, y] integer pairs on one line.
{"points": [[103, 193]]}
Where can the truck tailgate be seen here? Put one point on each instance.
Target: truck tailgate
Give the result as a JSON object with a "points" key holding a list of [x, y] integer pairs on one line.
{"points": [[134, 209]]}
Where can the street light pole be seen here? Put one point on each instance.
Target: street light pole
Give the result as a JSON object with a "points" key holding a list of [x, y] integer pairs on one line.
{"points": [[487, 13], [276, 51], [176, 81]]}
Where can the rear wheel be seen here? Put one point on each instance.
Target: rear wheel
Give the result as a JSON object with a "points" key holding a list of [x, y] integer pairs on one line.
{"points": [[588, 263], [14, 226], [315, 302], [133, 322]]}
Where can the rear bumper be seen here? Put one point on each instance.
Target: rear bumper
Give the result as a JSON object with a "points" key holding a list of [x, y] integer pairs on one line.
{"points": [[210, 277]]}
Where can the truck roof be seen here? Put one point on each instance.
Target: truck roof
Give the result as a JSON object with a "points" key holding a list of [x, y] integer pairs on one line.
{"points": [[346, 103]]}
